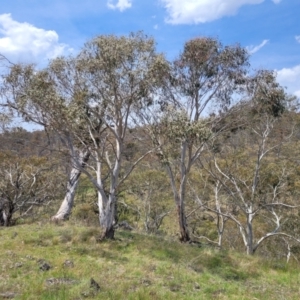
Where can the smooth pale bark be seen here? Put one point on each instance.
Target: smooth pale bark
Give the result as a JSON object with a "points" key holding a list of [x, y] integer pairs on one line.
{"points": [[108, 204], [250, 238], [68, 202], [220, 218], [106, 216], [179, 196]]}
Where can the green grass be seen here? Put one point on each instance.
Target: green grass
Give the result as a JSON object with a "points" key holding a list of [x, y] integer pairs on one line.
{"points": [[134, 266]]}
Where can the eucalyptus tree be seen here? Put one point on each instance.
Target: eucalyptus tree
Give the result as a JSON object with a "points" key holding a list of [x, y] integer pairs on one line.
{"points": [[121, 75], [202, 81], [91, 101], [251, 175], [34, 95]]}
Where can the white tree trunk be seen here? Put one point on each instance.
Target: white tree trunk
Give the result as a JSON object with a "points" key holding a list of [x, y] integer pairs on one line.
{"points": [[249, 230], [107, 204], [68, 202], [106, 216]]}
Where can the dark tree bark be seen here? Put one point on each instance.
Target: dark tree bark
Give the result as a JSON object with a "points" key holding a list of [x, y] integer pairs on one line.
{"points": [[184, 233], [6, 212]]}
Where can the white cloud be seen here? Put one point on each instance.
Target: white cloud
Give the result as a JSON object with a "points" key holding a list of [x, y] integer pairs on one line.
{"points": [[23, 41], [201, 11], [121, 4], [297, 37], [252, 49], [289, 77], [155, 26]]}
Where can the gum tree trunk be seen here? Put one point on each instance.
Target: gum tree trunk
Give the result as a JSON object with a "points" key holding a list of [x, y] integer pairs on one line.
{"points": [[106, 217], [107, 204], [184, 234], [179, 197], [67, 204], [250, 248]]}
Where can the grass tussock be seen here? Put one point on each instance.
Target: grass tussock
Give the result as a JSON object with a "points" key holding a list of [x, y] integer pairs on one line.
{"points": [[133, 266]]}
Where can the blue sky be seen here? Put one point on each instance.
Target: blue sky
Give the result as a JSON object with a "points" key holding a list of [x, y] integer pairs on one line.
{"points": [[38, 30]]}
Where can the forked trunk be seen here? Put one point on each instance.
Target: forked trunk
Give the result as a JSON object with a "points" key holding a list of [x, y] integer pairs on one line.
{"points": [[68, 202]]}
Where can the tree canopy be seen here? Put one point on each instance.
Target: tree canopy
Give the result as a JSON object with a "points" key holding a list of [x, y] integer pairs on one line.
{"points": [[204, 118]]}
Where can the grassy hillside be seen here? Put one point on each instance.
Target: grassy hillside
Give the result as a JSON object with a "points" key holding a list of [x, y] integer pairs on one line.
{"points": [[134, 266]]}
